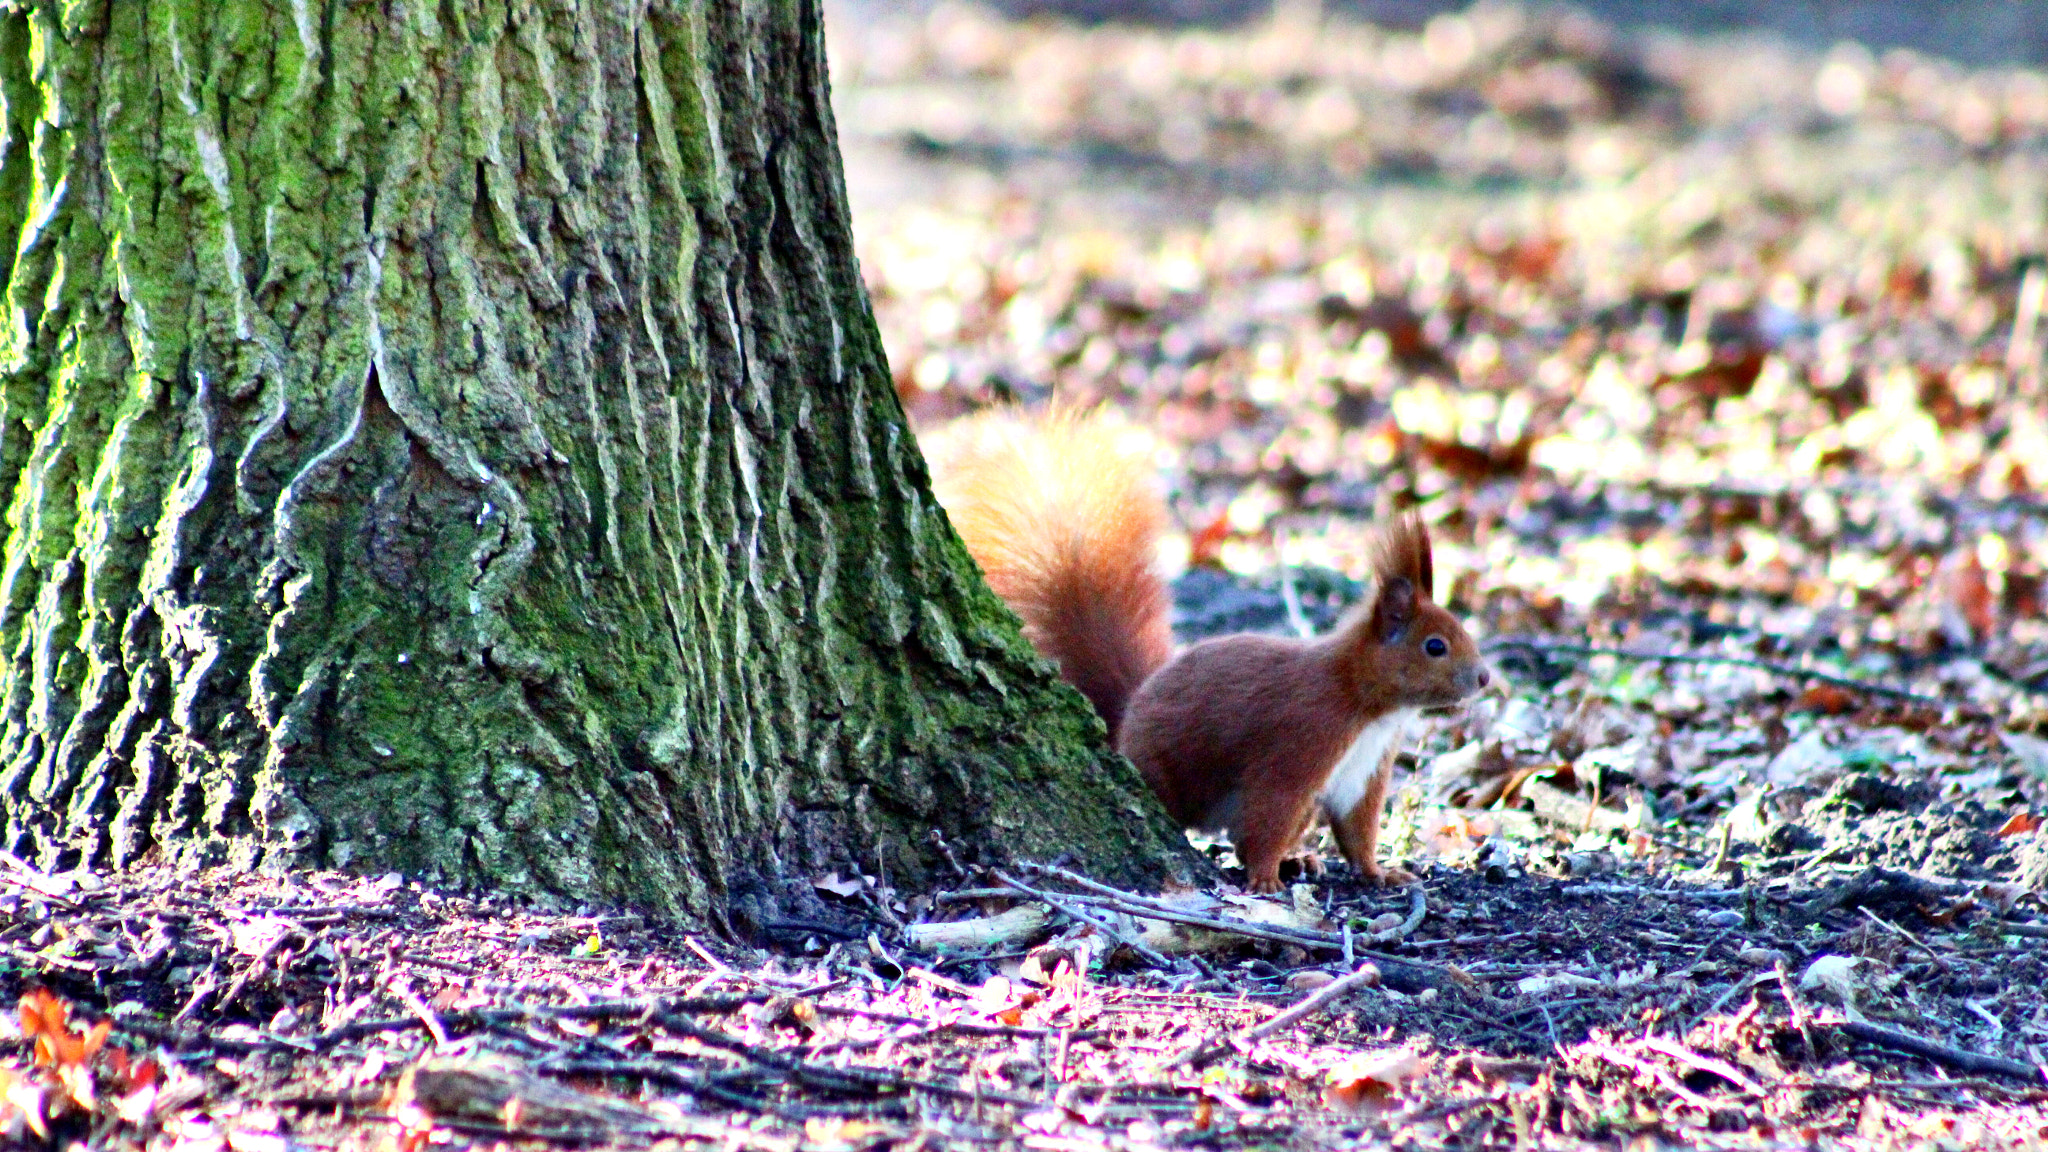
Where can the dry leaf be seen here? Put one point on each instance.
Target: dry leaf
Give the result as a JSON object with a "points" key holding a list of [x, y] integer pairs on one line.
{"points": [[1828, 699], [1368, 1082], [46, 1020], [1205, 547], [834, 1133], [844, 889], [2019, 824]]}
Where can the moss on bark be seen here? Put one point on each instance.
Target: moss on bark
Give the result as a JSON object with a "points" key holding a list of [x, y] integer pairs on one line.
{"points": [[454, 438]]}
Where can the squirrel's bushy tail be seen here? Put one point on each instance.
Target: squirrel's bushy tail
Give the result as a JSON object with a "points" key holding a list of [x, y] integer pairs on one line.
{"points": [[1065, 522]]}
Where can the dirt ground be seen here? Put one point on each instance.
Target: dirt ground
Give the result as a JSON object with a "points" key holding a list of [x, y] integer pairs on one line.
{"points": [[1717, 372], [1803, 1006]]}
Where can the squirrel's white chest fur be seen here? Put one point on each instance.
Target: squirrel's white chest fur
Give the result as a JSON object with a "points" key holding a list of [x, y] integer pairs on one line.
{"points": [[1355, 769]]}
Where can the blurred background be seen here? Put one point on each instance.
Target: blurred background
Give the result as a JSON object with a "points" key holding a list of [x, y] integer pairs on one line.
{"points": [[1708, 326], [1971, 31]]}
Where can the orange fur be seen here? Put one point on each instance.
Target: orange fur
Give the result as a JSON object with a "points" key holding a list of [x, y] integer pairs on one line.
{"points": [[1065, 524], [1241, 733]]}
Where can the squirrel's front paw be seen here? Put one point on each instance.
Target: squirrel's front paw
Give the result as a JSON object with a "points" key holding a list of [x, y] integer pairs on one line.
{"points": [[1387, 875]]}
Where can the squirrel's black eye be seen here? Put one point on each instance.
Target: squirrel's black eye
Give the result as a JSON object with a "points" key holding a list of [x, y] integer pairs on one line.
{"points": [[1435, 646]]}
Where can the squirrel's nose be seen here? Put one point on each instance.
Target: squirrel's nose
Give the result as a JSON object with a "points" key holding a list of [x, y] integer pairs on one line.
{"points": [[1485, 677]]}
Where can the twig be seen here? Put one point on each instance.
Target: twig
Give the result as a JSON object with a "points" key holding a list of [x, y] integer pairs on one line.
{"points": [[969, 895], [1112, 931], [1304, 937], [601, 1010], [940, 982], [1789, 671], [656, 1073], [1672, 1084], [1367, 974], [444, 965], [433, 1023], [1704, 1063], [176, 1041], [1733, 990], [1910, 938], [1720, 861], [302, 912], [46, 961], [1957, 1058], [1801, 1018], [838, 1079], [1141, 906], [1418, 910], [1476, 938], [958, 1026], [945, 851]]}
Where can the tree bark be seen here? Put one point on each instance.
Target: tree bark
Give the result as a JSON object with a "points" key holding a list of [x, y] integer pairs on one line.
{"points": [[453, 438]]}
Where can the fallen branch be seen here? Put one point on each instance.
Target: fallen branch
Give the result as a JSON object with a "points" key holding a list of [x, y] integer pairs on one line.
{"points": [[1704, 1063], [1102, 895], [1024, 922], [470, 1021], [1112, 931], [1957, 1058], [1662, 1076], [850, 1078], [1873, 885]]}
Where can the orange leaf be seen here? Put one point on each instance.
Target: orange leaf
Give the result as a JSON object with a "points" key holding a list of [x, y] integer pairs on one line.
{"points": [[2020, 824], [47, 1019], [1205, 548], [97, 1037], [43, 1015], [1829, 699]]}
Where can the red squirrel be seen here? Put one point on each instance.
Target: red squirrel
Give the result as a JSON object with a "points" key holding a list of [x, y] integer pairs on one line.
{"points": [[1250, 734]]}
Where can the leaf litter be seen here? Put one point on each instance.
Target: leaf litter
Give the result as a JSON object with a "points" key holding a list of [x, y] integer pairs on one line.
{"points": [[1716, 369]]}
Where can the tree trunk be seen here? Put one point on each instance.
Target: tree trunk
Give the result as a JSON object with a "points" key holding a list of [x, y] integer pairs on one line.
{"points": [[453, 438]]}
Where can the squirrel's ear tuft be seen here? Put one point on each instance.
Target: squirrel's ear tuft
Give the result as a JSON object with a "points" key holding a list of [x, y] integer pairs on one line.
{"points": [[1402, 552]]}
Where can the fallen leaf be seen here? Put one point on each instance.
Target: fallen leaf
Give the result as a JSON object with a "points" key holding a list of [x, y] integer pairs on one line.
{"points": [[1205, 547], [1368, 1082], [837, 1133], [2019, 824], [1828, 699], [46, 1019], [844, 889]]}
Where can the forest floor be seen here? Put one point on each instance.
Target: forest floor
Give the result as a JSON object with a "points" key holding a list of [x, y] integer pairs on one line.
{"points": [[1717, 371]]}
